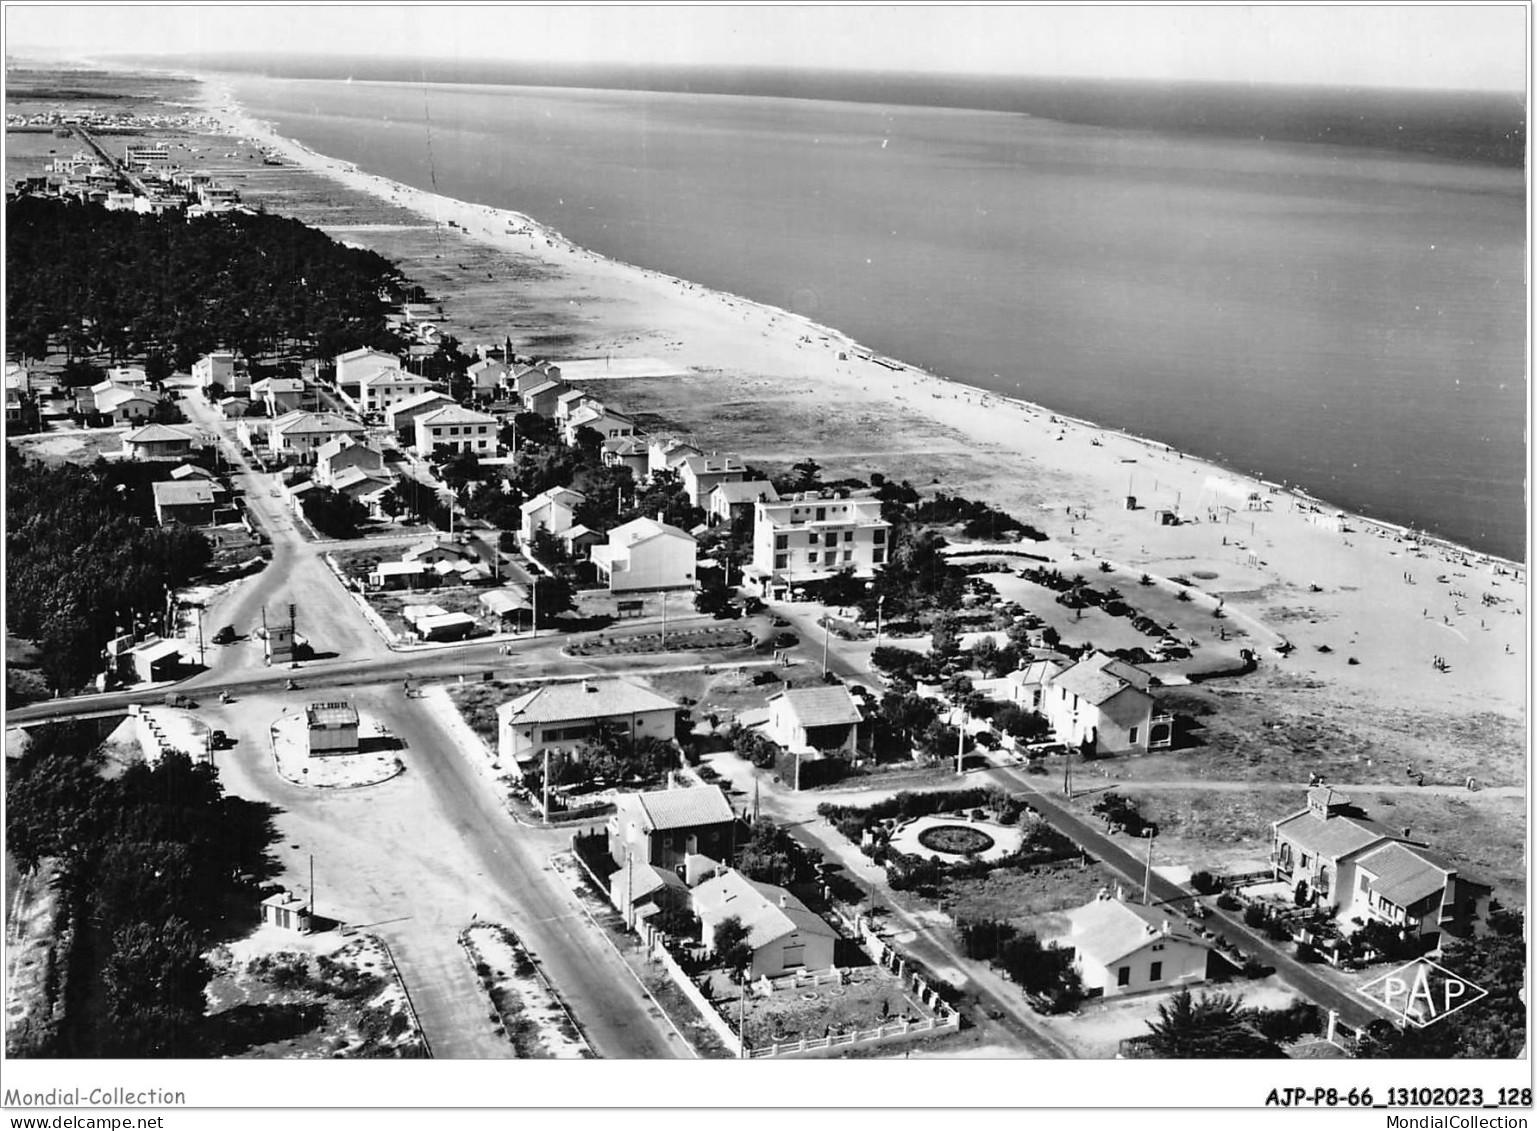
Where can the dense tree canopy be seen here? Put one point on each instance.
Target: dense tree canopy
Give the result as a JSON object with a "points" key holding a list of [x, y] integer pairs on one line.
{"points": [[129, 285], [147, 862], [79, 564]]}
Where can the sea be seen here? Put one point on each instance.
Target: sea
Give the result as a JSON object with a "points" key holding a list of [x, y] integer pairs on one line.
{"points": [[1341, 308]]}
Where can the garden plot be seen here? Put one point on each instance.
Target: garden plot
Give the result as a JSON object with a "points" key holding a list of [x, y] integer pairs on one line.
{"points": [[528, 1012], [955, 841], [871, 997], [277, 994]]}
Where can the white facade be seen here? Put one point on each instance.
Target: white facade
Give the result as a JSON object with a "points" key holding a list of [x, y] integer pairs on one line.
{"points": [[462, 429], [219, 368], [646, 554], [702, 474], [353, 366], [385, 387], [808, 537], [550, 510]]}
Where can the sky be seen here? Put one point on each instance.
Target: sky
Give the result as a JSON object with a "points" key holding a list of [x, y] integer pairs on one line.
{"points": [[1449, 47]]}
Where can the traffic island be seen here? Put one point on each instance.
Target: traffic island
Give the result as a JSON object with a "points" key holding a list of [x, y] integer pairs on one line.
{"points": [[524, 1006], [333, 746]]}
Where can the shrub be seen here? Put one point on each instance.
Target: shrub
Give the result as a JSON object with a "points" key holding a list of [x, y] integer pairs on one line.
{"points": [[1205, 883], [1254, 915]]}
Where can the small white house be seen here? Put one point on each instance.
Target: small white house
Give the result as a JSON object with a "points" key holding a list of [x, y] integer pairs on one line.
{"points": [[550, 510], [783, 934], [1104, 702], [1124, 948], [646, 554]]}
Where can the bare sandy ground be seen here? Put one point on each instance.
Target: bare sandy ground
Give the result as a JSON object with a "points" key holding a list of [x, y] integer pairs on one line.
{"points": [[1366, 609]]}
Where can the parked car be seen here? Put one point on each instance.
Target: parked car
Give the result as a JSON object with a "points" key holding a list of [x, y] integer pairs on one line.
{"points": [[219, 740], [225, 635], [786, 640]]}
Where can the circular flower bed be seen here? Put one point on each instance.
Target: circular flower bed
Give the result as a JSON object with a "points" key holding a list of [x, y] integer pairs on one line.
{"points": [[958, 840]]}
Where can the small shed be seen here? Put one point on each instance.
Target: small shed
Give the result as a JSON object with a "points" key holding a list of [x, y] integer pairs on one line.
{"points": [[1166, 518], [332, 728], [286, 910]]}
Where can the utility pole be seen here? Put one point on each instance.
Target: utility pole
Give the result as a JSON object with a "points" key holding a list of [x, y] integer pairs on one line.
{"points": [[664, 620], [546, 784], [826, 632], [880, 606], [200, 660], [1067, 773], [960, 744], [533, 586], [1147, 875], [312, 891]]}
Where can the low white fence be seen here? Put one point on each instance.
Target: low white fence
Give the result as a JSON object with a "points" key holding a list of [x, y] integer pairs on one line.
{"points": [[711, 1015], [892, 1031]]}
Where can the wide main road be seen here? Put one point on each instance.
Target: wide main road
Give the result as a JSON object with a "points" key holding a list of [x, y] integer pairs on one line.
{"points": [[417, 858]]}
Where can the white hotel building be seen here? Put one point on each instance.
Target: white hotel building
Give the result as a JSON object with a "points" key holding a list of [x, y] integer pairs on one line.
{"points": [[809, 537]]}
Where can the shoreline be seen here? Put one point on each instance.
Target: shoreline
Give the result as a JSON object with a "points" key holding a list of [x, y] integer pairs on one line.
{"points": [[219, 101]]}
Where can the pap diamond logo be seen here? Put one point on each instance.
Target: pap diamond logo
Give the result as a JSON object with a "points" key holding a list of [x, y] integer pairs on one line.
{"points": [[1422, 993]]}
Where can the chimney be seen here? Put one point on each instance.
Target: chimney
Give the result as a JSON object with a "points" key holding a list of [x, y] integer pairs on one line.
{"points": [[587, 686], [672, 780], [659, 517], [1406, 832], [784, 899]]}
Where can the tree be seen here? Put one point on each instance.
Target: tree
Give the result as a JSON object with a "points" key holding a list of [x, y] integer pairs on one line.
{"points": [[770, 855], [806, 475], [334, 514], [1208, 1027], [552, 596], [158, 970], [729, 944]]}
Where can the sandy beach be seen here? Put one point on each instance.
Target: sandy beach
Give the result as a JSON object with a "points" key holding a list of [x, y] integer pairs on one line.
{"points": [[745, 377]]}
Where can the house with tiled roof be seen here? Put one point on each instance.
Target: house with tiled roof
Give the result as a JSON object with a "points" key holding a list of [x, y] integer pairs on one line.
{"points": [[627, 451], [729, 501], [783, 934], [303, 433], [543, 397], [343, 453], [664, 826], [815, 721], [456, 427], [1125, 948], [667, 452], [189, 501], [559, 717], [281, 394], [158, 441], [1106, 704], [608, 424], [123, 404], [550, 510], [390, 385], [702, 474], [401, 416], [486, 377], [1369, 871], [354, 364]]}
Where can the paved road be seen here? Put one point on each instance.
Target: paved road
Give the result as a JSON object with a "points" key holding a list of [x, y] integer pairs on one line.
{"points": [[1019, 1025], [1353, 1009], [415, 858], [1196, 785]]}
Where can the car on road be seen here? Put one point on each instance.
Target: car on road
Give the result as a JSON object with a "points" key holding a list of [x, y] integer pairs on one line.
{"points": [[779, 622], [786, 640], [219, 740], [225, 635]]}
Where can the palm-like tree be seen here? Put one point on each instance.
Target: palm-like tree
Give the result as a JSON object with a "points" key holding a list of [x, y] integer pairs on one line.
{"points": [[1211, 1026]]}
